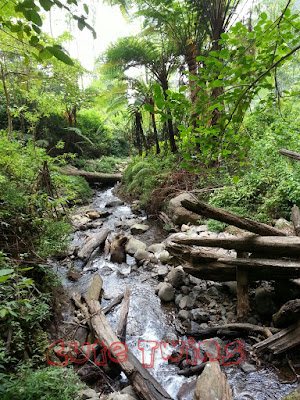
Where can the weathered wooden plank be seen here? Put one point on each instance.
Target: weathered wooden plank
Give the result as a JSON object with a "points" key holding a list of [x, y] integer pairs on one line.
{"points": [[230, 218]]}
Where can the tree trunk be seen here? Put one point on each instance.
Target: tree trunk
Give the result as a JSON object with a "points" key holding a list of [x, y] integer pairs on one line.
{"points": [[92, 243], [9, 116], [94, 177], [230, 218], [142, 381], [169, 122], [155, 130], [290, 154]]}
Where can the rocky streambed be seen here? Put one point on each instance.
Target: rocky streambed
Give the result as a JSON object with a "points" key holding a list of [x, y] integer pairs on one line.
{"points": [[166, 304]]}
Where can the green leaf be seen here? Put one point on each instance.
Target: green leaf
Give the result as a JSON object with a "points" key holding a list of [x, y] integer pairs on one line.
{"points": [[235, 179], [3, 312], [45, 54], [6, 271], [33, 40], [263, 16], [32, 15], [4, 278], [149, 107], [86, 9], [60, 55], [46, 4]]}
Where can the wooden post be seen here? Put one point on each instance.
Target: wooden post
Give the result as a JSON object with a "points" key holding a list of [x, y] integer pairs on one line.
{"points": [[242, 288]]}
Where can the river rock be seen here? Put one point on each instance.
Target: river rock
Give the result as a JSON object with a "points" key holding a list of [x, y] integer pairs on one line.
{"points": [[199, 315], [162, 271], [179, 214], [73, 275], [120, 396], [79, 220], [104, 214], [158, 287], [166, 292], [133, 245], [157, 248], [164, 256], [247, 367], [184, 315], [264, 300], [176, 276], [288, 314], [130, 391], [114, 203], [93, 214], [178, 298], [141, 254], [212, 384], [138, 228], [88, 394], [186, 302], [209, 346]]}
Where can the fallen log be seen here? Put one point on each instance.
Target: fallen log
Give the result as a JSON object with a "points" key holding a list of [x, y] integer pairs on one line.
{"points": [[121, 329], [295, 216], [113, 304], [167, 221], [283, 246], [230, 218], [144, 384], [282, 341], [93, 177], [242, 278], [188, 253], [195, 370], [82, 332], [290, 154], [212, 384], [243, 328], [95, 288], [92, 243]]}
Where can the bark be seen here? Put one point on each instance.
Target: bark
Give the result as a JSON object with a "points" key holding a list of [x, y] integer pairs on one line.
{"points": [[155, 133], [296, 219], [92, 243], [290, 154], [271, 245], [113, 304], [243, 328], [282, 341], [9, 116], [230, 218], [242, 288], [95, 288], [94, 177], [169, 122], [142, 381], [121, 329], [288, 314]]}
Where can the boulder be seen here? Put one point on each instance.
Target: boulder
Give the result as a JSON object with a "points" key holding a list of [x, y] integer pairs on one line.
{"points": [[209, 347], [157, 248], [247, 367], [179, 214], [162, 271], [166, 292], [184, 315], [93, 214], [212, 384], [164, 256], [133, 245], [138, 228], [117, 249], [104, 214], [186, 302], [264, 301], [120, 396], [176, 277], [88, 394], [130, 391], [141, 254]]}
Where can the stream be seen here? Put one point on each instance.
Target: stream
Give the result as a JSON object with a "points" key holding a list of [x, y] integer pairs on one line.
{"points": [[148, 319]]}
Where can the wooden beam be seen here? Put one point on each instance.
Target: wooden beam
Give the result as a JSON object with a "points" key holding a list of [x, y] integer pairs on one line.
{"points": [[288, 246], [230, 218]]}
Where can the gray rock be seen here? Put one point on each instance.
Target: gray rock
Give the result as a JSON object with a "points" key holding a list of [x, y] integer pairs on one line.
{"points": [[179, 214], [176, 276], [166, 292], [252, 320], [185, 289], [114, 203], [212, 384], [231, 287], [264, 300], [185, 228], [105, 214], [288, 314], [186, 302], [164, 256], [141, 254], [184, 315], [199, 315], [213, 291], [129, 390], [178, 298], [158, 287], [133, 245], [93, 214], [162, 271], [120, 396], [138, 228], [194, 280], [247, 367], [157, 248], [88, 394], [209, 347]]}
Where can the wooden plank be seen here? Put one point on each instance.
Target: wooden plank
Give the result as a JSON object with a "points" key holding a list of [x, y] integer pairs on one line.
{"points": [[283, 246], [144, 384], [230, 218], [242, 289], [295, 216]]}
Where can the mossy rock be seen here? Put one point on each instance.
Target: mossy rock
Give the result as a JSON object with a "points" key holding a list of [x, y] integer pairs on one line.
{"points": [[294, 395]]}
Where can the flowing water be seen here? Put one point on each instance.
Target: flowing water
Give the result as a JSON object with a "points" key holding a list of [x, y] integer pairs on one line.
{"points": [[149, 320]]}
